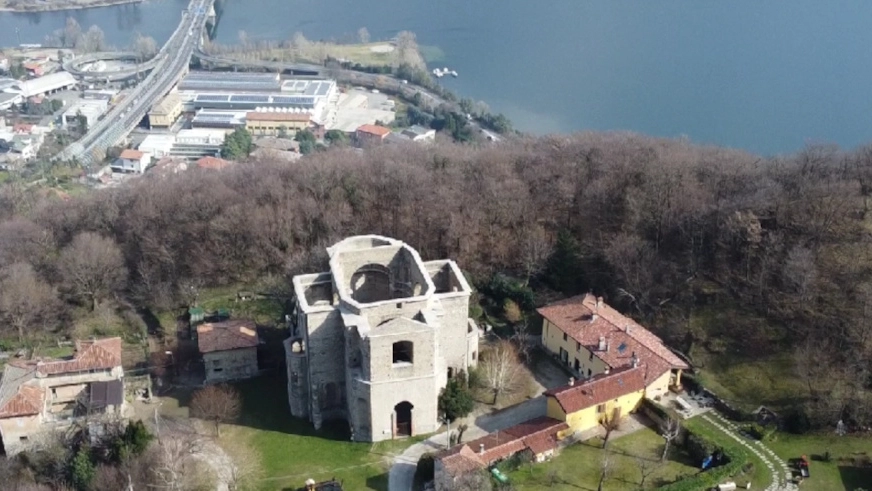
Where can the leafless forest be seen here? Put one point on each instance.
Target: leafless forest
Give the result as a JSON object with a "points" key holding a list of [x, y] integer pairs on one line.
{"points": [[715, 249]]}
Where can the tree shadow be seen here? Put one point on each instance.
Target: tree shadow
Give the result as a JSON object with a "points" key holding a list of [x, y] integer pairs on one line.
{"points": [[855, 477], [378, 482], [546, 371]]}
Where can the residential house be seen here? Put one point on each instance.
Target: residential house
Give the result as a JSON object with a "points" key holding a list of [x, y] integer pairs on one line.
{"points": [[606, 397], [418, 133], [40, 396], [539, 437], [229, 349], [590, 338], [370, 134], [131, 161]]}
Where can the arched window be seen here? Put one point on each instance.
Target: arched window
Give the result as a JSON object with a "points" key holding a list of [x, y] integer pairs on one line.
{"points": [[403, 352]]}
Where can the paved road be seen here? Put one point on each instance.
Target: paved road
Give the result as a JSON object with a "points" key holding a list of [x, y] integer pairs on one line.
{"points": [[402, 472], [172, 61]]}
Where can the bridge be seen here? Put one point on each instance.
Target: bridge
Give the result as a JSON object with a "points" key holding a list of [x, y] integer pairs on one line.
{"points": [[170, 64], [75, 65]]}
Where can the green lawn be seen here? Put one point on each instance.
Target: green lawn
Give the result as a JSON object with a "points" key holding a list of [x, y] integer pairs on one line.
{"points": [[578, 466], [760, 477], [291, 450], [842, 472]]}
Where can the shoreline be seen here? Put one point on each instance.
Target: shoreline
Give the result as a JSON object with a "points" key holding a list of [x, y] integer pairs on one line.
{"points": [[60, 8]]}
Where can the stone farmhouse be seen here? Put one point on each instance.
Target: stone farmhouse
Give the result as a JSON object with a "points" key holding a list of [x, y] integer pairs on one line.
{"points": [[38, 397], [229, 349], [591, 338], [375, 339]]}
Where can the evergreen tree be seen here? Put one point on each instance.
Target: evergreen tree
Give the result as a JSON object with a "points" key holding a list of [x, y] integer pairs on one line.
{"points": [[82, 470], [237, 144], [455, 400], [564, 271]]}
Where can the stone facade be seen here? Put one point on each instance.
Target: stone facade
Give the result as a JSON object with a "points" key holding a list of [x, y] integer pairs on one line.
{"points": [[375, 339], [222, 366]]}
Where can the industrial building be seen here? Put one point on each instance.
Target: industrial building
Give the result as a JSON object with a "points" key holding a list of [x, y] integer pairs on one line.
{"points": [[91, 109], [48, 84], [273, 123], [189, 144], [165, 112], [231, 82], [210, 118]]}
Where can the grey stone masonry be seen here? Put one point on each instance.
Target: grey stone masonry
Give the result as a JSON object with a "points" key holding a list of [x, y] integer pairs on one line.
{"points": [[375, 339]]}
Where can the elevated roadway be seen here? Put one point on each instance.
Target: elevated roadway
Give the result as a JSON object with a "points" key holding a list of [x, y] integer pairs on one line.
{"points": [[171, 63], [75, 65]]}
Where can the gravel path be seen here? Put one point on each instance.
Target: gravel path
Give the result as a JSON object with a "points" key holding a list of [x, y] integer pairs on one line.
{"points": [[781, 473], [402, 472]]}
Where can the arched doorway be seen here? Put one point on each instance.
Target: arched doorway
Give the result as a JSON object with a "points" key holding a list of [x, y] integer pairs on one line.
{"points": [[403, 419]]}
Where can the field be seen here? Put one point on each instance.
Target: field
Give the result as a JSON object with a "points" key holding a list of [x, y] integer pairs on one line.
{"points": [[291, 450], [578, 466], [844, 470]]}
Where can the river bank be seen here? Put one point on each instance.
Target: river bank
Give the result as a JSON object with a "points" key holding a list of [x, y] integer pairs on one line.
{"points": [[25, 8]]}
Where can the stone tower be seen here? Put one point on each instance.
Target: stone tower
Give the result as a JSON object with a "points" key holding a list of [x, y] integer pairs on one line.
{"points": [[376, 338]]}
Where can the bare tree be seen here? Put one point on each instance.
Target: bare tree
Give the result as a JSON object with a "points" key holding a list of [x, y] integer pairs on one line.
{"points": [[94, 40], [25, 301], [535, 250], [145, 47], [670, 429], [217, 403], [473, 481], [605, 469], [245, 469], [521, 338], [647, 467], [363, 35], [610, 423], [174, 468], [71, 35], [501, 368], [92, 267]]}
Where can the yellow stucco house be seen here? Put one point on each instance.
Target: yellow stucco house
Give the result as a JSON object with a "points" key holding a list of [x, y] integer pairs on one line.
{"points": [[604, 397], [591, 338]]}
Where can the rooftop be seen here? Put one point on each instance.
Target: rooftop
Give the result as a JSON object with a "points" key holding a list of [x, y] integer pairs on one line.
{"points": [[610, 335], [538, 435], [227, 335], [130, 154], [372, 129], [17, 398], [599, 389], [212, 163], [277, 116]]}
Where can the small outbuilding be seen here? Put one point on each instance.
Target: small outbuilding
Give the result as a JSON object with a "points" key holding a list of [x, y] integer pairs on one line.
{"points": [[229, 349]]}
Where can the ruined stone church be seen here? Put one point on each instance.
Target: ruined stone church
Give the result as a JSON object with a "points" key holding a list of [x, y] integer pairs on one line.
{"points": [[376, 338]]}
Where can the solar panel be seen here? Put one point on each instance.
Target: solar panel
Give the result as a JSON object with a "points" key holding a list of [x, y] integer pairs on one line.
{"points": [[293, 99], [323, 89], [250, 98], [213, 98]]}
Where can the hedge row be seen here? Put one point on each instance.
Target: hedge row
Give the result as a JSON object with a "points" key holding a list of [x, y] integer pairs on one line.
{"points": [[699, 446]]}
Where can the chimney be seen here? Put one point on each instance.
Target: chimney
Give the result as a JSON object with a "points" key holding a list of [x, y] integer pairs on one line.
{"points": [[481, 448], [608, 345], [628, 328], [571, 380], [606, 371], [635, 360], [594, 317], [602, 344], [599, 303]]}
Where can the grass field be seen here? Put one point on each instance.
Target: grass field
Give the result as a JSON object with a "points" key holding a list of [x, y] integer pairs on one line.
{"points": [[760, 477], [578, 466], [291, 450], [848, 455]]}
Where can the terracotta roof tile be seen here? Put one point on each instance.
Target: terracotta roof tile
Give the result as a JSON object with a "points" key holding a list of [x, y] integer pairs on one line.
{"points": [[99, 354], [290, 117], [538, 435], [227, 335], [212, 163], [131, 154], [372, 129], [584, 321], [599, 389]]}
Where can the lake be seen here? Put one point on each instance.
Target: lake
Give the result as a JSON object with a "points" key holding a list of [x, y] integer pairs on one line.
{"points": [[768, 77]]}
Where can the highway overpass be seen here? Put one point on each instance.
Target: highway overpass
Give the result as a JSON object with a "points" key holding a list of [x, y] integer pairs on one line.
{"points": [[170, 64]]}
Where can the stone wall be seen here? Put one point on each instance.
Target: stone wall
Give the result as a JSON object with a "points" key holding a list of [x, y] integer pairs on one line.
{"points": [[230, 364]]}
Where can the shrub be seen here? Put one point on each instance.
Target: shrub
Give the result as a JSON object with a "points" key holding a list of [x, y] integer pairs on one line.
{"points": [[425, 470], [511, 311], [500, 287], [796, 421], [698, 447]]}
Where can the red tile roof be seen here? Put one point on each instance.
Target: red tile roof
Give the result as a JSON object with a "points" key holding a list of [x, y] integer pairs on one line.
{"points": [[587, 323], [538, 435], [599, 389], [131, 154], [18, 395], [98, 354], [372, 129], [227, 335]]}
